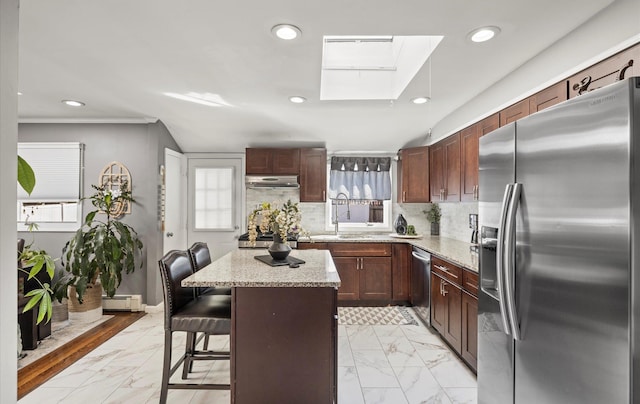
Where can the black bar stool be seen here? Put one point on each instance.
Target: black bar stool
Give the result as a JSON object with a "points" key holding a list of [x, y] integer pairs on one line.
{"points": [[185, 312]]}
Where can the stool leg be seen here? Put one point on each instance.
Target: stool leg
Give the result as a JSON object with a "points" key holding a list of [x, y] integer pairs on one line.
{"points": [[205, 346], [188, 357], [166, 366]]}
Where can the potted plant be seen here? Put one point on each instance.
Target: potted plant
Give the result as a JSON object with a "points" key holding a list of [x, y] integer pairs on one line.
{"points": [[31, 261], [433, 216], [279, 221], [100, 250]]}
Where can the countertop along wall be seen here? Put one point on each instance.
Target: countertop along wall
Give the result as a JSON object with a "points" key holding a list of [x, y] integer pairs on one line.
{"points": [[140, 147], [454, 223]]}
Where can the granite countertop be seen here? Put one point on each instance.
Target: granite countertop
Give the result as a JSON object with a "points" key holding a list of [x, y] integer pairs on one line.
{"points": [[239, 268], [456, 251]]}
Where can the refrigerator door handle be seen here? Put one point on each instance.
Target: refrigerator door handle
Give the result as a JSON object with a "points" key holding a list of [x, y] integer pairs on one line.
{"points": [[500, 258], [509, 261]]}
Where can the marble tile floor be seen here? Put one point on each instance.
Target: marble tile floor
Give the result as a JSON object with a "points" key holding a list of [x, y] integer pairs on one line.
{"points": [[381, 364]]}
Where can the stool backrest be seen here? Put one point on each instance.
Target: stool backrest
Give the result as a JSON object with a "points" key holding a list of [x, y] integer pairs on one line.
{"points": [[200, 255], [174, 267]]}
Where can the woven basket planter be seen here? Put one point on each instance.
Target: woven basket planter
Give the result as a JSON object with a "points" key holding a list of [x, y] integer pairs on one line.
{"points": [[90, 309]]}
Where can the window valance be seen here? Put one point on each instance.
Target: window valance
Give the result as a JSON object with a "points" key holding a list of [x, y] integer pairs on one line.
{"points": [[360, 177]]}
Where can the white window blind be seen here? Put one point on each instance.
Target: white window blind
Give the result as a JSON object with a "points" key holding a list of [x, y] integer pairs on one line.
{"points": [[213, 198], [57, 167]]}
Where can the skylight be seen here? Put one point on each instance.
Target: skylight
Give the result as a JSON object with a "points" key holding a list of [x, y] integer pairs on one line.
{"points": [[372, 67]]}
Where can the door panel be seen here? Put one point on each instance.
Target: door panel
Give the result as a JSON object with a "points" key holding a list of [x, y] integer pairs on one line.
{"points": [[375, 278], [453, 325], [174, 236], [438, 305], [227, 201], [349, 282]]}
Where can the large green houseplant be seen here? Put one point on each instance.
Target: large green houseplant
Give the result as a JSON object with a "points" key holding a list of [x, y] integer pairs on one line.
{"points": [[31, 260], [101, 250]]}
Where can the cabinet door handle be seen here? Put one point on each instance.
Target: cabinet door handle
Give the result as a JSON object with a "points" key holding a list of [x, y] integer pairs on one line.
{"points": [[444, 288], [446, 270], [404, 196], [324, 196]]}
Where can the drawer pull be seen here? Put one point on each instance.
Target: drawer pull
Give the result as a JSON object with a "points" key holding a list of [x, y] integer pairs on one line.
{"points": [[446, 270]]}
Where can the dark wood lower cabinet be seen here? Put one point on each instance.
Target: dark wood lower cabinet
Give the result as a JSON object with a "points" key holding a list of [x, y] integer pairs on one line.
{"points": [[349, 278], [446, 311], [284, 345], [469, 349], [375, 278]]}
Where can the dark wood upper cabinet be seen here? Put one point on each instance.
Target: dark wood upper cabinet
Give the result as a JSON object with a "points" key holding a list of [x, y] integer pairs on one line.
{"points": [[452, 168], [313, 175], [272, 161], [549, 96], [469, 149], [469, 165], [414, 175], [436, 172], [618, 67], [489, 124], [514, 112], [444, 170]]}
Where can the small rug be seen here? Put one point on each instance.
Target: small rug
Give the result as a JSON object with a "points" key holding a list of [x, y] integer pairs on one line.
{"points": [[388, 315]]}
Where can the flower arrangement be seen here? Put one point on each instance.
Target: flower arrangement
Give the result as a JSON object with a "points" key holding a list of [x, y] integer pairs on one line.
{"points": [[283, 221]]}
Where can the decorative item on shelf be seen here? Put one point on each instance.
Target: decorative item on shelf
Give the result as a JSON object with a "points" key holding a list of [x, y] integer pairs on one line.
{"points": [[433, 216], [98, 253], [401, 225], [113, 177], [280, 221], [411, 230]]}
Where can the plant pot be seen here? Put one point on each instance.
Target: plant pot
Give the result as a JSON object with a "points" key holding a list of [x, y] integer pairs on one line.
{"points": [[59, 310], [279, 250], [435, 229], [90, 309]]}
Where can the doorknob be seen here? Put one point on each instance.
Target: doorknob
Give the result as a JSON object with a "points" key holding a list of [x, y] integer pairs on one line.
{"points": [[169, 234]]}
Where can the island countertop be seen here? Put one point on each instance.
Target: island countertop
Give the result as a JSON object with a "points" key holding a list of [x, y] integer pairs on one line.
{"points": [[239, 268]]}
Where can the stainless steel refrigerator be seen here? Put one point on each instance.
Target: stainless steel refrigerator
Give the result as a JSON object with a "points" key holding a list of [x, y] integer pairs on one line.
{"points": [[559, 217]]}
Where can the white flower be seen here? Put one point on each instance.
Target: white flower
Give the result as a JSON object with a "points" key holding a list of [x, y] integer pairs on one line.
{"points": [[115, 193]]}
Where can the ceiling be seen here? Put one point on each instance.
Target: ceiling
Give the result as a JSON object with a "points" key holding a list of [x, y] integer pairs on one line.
{"points": [[121, 56]]}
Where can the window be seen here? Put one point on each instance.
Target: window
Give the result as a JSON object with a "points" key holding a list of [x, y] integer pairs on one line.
{"points": [[54, 204], [368, 178], [213, 199]]}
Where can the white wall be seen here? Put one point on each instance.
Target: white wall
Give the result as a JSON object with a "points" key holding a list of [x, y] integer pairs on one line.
{"points": [[8, 164], [615, 28]]}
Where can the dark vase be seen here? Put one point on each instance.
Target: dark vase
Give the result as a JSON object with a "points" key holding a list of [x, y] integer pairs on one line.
{"points": [[401, 225], [435, 229], [279, 249]]}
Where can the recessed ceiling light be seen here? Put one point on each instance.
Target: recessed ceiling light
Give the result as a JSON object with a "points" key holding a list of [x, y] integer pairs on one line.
{"points": [[483, 34], [296, 99], [286, 31], [73, 103], [19, 93], [420, 100]]}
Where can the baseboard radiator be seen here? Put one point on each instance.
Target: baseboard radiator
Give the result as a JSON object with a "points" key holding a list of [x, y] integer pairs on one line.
{"points": [[122, 303]]}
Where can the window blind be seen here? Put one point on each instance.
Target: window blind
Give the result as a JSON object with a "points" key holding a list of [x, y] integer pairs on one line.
{"points": [[57, 166]]}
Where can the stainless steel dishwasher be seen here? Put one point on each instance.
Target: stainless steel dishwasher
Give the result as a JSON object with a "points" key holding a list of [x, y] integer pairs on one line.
{"points": [[421, 284]]}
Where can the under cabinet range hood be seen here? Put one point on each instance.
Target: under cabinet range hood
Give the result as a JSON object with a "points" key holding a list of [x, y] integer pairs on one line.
{"points": [[272, 181]]}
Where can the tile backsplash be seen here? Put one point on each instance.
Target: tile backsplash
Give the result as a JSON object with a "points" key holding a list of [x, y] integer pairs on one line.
{"points": [[454, 223]]}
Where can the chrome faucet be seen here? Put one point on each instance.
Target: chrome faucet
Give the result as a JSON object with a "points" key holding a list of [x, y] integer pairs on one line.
{"points": [[335, 221]]}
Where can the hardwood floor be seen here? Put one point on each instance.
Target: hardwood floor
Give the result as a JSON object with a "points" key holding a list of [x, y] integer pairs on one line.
{"points": [[33, 375]]}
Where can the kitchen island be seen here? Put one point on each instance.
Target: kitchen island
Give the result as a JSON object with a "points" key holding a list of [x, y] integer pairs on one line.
{"points": [[283, 326]]}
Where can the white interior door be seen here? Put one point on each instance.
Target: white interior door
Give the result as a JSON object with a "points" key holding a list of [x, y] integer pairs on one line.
{"points": [[174, 233], [216, 201]]}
